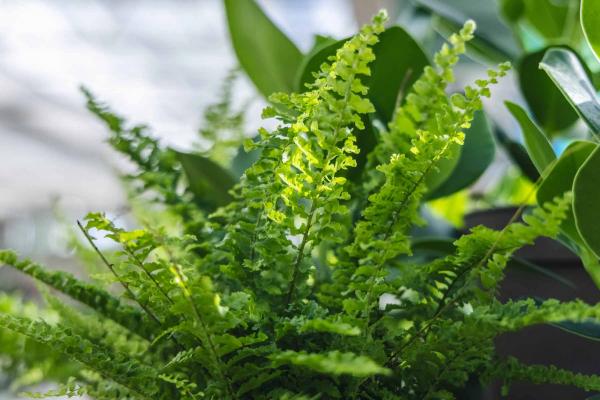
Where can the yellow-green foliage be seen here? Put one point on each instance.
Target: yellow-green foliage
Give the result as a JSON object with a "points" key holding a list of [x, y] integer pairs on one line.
{"points": [[277, 295]]}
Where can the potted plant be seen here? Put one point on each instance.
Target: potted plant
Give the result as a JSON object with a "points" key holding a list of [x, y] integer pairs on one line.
{"points": [[294, 283]]}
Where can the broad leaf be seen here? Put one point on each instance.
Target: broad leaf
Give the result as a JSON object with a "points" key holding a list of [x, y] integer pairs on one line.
{"points": [[476, 155], [548, 17], [590, 21], [209, 182], [311, 63], [523, 264], [512, 10], [572, 78], [444, 168], [549, 107], [267, 55], [399, 61], [588, 330], [243, 160], [518, 154], [560, 180], [493, 40], [537, 145], [586, 199]]}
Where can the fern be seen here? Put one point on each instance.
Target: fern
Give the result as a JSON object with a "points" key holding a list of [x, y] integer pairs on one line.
{"points": [[223, 125], [230, 305]]}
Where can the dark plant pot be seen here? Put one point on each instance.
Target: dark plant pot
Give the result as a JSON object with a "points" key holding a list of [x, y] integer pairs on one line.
{"points": [[544, 344]]}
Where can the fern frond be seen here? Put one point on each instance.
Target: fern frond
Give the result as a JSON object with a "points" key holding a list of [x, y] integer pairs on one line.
{"points": [[334, 363], [512, 370], [124, 370], [91, 295]]}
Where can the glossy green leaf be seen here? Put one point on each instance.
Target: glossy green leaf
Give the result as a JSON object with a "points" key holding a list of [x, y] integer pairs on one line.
{"points": [[560, 179], [590, 21], [366, 140], [588, 330], [493, 39], [586, 201], [311, 63], [444, 168], [399, 61], [265, 53], [512, 10], [243, 160], [476, 155], [398, 64], [548, 17], [523, 264], [591, 263], [571, 76], [209, 182], [537, 145], [518, 154], [549, 107], [435, 246]]}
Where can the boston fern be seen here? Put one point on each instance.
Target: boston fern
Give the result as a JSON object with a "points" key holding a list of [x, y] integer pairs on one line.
{"points": [[301, 284]]}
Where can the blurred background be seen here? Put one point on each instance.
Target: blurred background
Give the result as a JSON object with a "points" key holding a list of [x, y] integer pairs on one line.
{"points": [[156, 62]]}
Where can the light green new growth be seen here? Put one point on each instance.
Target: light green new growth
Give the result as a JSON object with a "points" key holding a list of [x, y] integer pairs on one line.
{"points": [[279, 294]]}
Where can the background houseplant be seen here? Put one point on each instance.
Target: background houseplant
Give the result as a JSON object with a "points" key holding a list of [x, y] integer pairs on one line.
{"points": [[261, 309]]}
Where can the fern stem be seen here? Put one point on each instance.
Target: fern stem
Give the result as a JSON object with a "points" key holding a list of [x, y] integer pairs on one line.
{"points": [[439, 376], [140, 264], [443, 305], [114, 272], [387, 233], [300, 256], [181, 279], [207, 335], [400, 95]]}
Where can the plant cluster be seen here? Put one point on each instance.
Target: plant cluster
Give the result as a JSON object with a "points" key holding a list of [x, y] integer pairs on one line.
{"points": [[298, 282]]}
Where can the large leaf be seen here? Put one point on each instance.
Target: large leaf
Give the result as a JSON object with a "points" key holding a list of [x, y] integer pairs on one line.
{"points": [[243, 160], [586, 201], [366, 140], [538, 147], [571, 76], [548, 17], [493, 40], [266, 54], [311, 63], [587, 329], [399, 61], [518, 154], [443, 168], [561, 177], [525, 265], [209, 182], [590, 21], [512, 10], [476, 155], [549, 107]]}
